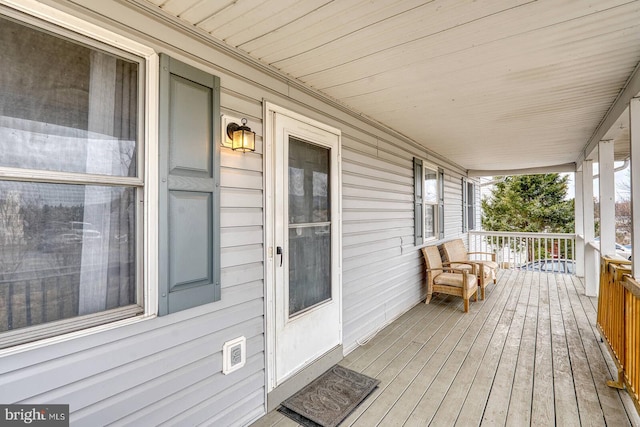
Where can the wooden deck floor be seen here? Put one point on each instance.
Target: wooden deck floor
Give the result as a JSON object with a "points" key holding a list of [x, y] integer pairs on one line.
{"points": [[529, 354]]}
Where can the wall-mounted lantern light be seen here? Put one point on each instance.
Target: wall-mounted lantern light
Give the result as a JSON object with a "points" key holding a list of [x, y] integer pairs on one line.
{"points": [[242, 138]]}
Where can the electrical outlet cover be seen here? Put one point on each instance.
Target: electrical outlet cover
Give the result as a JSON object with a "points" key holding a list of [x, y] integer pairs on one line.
{"points": [[234, 355]]}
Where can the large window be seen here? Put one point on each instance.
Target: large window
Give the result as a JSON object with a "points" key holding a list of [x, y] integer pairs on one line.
{"points": [[72, 184], [429, 202]]}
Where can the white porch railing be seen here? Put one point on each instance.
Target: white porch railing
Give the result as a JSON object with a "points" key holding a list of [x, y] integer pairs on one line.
{"points": [[544, 252]]}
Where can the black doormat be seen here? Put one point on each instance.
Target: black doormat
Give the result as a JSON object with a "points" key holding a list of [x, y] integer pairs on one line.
{"points": [[329, 399]]}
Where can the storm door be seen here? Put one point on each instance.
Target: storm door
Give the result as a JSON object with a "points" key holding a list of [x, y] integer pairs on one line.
{"points": [[305, 244]]}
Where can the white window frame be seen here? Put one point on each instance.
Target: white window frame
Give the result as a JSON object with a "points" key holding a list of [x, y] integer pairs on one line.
{"points": [[426, 166], [44, 17]]}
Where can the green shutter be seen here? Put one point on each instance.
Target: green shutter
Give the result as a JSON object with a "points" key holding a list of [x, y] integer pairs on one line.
{"points": [[189, 197], [440, 203], [418, 216]]}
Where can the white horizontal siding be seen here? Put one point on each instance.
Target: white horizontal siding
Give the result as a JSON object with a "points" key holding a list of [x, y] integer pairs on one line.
{"points": [[452, 206], [139, 365], [382, 269]]}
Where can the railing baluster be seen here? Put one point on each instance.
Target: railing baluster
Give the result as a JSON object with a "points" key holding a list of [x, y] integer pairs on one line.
{"points": [[619, 322], [546, 247], [526, 250]]}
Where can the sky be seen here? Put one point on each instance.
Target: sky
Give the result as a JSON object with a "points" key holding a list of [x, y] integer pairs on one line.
{"points": [[622, 179]]}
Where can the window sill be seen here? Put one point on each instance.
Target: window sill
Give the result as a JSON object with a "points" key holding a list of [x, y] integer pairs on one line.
{"points": [[63, 337]]}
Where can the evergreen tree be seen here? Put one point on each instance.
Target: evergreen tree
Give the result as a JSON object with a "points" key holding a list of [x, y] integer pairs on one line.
{"points": [[529, 203]]}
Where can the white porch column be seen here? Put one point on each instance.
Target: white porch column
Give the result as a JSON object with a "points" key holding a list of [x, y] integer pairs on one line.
{"points": [[634, 127], [591, 264], [607, 198], [579, 224]]}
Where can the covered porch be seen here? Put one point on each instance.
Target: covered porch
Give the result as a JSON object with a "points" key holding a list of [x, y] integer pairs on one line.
{"points": [[529, 354], [464, 89]]}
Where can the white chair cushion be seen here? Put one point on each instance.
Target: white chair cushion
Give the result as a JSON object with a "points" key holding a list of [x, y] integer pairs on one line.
{"points": [[490, 268], [454, 279], [490, 264], [467, 267]]}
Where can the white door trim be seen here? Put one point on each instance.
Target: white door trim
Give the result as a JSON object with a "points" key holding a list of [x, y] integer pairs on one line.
{"points": [[270, 224]]}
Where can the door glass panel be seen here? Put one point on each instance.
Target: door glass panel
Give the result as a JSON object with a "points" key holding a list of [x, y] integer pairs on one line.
{"points": [[308, 183], [309, 267], [309, 226]]}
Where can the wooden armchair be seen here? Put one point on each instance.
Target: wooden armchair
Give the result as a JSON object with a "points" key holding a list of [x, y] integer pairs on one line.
{"points": [[448, 280], [458, 257]]}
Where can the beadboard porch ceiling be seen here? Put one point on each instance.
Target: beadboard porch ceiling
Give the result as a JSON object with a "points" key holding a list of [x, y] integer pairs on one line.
{"points": [[492, 85]]}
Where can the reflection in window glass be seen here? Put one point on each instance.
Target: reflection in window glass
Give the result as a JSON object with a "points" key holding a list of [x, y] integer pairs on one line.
{"points": [[320, 197], [308, 183], [430, 203], [430, 186], [64, 106], [309, 267], [309, 226], [65, 251], [429, 221]]}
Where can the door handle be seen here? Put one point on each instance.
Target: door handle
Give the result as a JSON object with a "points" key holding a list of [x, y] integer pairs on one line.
{"points": [[280, 252]]}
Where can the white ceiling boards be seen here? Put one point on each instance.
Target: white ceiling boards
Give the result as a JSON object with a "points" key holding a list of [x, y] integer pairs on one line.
{"points": [[489, 84]]}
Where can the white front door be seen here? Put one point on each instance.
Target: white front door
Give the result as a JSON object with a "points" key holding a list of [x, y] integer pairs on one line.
{"points": [[305, 246]]}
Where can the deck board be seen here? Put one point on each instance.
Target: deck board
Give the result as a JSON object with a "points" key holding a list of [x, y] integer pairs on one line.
{"points": [[617, 406], [542, 405], [420, 373], [498, 404], [463, 381], [418, 388], [564, 390], [586, 394], [519, 412], [400, 364], [529, 354], [474, 406]]}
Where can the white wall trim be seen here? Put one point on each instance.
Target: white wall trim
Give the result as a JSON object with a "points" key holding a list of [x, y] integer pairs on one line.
{"points": [[152, 186]]}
